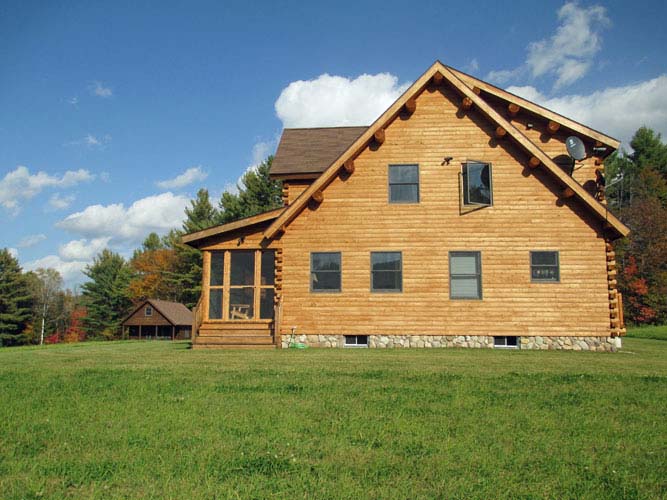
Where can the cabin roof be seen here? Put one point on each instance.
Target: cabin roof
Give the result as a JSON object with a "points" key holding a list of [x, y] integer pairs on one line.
{"points": [[466, 91], [197, 238], [311, 150], [174, 312]]}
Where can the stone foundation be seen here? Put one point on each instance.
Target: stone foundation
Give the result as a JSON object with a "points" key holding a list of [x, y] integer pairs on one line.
{"points": [[599, 344]]}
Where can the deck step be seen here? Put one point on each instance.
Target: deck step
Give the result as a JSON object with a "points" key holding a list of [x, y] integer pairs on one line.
{"points": [[232, 346], [234, 333], [236, 339]]}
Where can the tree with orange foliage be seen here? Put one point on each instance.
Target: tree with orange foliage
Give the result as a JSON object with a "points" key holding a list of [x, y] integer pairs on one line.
{"points": [[152, 266], [75, 331]]}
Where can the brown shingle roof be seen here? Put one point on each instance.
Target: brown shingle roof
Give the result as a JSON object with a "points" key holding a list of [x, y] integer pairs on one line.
{"points": [[175, 312], [311, 150]]}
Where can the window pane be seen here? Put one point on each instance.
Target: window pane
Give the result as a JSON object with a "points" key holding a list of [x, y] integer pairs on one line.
{"points": [[242, 268], [217, 260], [325, 280], [268, 268], [404, 193], [477, 183], [325, 261], [386, 261], [387, 280], [241, 302], [215, 303], [544, 273], [465, 288], [464, 264], [544, 258], [266, 303], [403, 174]]}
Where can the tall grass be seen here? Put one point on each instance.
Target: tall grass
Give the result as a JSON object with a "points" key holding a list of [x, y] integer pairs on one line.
{"points": [[156, 420]]}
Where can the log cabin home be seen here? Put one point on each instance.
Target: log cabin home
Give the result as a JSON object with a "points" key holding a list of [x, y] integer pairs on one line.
{"points": [[456, 219], [155, 319]]}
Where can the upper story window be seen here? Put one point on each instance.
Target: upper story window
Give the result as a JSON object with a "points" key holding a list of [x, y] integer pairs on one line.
{"points": [[386, 272], [465, 275], [403, 183], [477, 184], [325, 271], [148, 311], [544, 266]]}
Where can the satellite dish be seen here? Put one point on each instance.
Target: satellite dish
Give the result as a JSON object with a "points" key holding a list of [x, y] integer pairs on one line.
{"points": [[575, 148]]}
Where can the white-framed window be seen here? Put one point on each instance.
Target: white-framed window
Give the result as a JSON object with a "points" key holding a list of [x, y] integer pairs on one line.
{"points": [[506, 342], [325, 272], [465, 275], [403, 183], [356, 340], [386, 272], [148, 311], [544, 266], [477, 184]]}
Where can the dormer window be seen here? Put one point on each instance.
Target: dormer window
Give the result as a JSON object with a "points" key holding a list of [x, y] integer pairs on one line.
{"points": [[148, 311], [477, 185]]}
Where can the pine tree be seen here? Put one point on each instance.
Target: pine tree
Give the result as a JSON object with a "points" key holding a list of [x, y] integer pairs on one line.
{"points": [[201, 214], [15, 300], [106, 296], [258, 193]]}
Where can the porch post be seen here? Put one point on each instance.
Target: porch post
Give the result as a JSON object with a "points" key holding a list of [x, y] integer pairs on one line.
{"points": [[140, 331], [173, 332]]}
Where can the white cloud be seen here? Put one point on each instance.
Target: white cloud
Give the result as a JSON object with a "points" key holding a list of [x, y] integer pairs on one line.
{"points": [[329, 101], [31, 240], [191, 175], [618, 111], [158, 213], [568, 54], [92, 141], [98, 89], [20, 184], [60, 202], [70, 271], [472, 66], [13, 252], [83, 250], [73, 101]]}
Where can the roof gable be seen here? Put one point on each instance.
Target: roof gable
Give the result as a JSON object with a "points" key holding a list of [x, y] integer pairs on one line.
{"points": [[441, 72], [195, 239], [174, 312]]}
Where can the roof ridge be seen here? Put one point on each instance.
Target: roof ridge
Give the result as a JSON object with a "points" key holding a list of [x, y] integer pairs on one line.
{"points": [[326, 128]]}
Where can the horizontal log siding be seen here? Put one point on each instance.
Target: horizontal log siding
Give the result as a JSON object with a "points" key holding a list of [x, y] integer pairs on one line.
{"points": [[355, 219]]}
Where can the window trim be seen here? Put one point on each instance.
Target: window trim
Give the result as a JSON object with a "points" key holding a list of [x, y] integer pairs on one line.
{"points": [[530, 263], [340, 272], [464, 165], [393, 290], [478, 255], [389, 184], [148, 311]]}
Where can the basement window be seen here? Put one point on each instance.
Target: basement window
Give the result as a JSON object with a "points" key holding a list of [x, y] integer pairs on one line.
{"points": [[356, 340], [477, 185], [511, 342], [148, 311]]}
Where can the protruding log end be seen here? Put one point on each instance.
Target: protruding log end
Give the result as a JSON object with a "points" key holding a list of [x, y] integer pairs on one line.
{"points": [[318, 196], [500, 133], [567, 193], [438, 78], [513, 109], [466, 103], [410, 105], [379, 136], [534, 162], [553, 127], [348, 166], [476, 90]]}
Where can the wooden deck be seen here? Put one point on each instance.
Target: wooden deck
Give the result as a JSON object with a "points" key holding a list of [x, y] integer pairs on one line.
{"points": [[234, 335]]}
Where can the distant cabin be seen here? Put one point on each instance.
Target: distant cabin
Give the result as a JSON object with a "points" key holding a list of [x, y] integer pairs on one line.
{"points": [[160, 320]]}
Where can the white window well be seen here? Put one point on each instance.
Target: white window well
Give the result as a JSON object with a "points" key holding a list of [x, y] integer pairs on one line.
{"points": [[510, 342], [356, 340]]}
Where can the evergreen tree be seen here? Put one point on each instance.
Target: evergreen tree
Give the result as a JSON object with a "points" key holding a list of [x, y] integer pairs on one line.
{"points": [[201, 214], [106, 296], [15, 300], [258, 193]]}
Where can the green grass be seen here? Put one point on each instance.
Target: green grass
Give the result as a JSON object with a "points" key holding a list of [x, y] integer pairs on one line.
{"points": [[157, 420], [648, 332]]}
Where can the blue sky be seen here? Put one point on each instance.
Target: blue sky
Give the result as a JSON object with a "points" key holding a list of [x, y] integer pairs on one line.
{"points": [[113, 114]]}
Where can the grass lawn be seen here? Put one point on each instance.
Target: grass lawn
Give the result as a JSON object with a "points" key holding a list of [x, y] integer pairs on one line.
{"points": [[157, 420], [648, 332]]}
